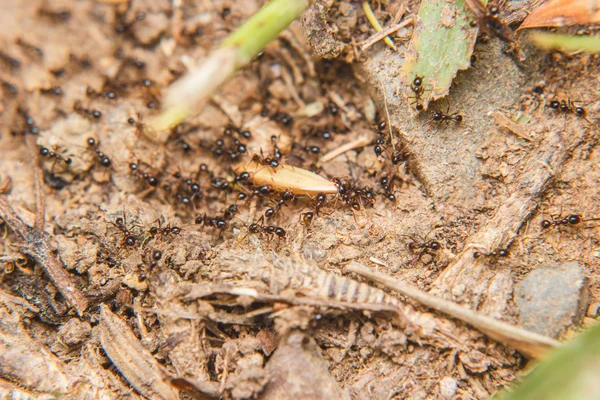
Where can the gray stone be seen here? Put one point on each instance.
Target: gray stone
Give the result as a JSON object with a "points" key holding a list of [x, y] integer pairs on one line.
{"points": [[551, 298]]}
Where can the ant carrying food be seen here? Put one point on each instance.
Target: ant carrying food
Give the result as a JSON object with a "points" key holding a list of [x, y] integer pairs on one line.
{"points": [[141, 128], [94, 145], [269, 162]]}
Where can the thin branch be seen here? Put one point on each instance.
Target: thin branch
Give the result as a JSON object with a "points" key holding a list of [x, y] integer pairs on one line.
{"points": [[355, 144], [384, 33], [528, 343]]}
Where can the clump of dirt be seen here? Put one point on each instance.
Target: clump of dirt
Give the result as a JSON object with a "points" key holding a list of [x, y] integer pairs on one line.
{"points": [[132, 264]]}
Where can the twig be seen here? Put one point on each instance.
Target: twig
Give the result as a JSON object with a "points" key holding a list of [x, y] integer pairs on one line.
{"points": [[384, 33], [529, 343], [36, 246], [375, 24], [40, 204], [355, 144]]}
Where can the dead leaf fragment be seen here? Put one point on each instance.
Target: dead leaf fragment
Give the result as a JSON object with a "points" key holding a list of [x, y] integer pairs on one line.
{"points": [[132, 360], [558, 13]]}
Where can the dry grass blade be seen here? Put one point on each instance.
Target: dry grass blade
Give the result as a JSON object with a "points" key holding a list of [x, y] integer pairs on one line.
{"points": [[362, 141], [557, 13], [285, 177], [132, 360], [528, 343]]}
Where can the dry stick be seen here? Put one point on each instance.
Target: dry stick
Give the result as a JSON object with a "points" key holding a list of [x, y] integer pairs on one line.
{"points": [[36, 246], [355, 144], [528, 343], [384, 33], [40, 204], [504, 226]]}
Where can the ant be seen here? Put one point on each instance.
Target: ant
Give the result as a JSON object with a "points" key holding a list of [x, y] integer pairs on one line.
{"points": [[568, 106], [78, 108], [205, 220], [418, 89], [489, 20], [569, 220], [230, 212], [307, 218], [152, 181], [163, 231], [321, 200], [93, 144], [129, 236], [387, 184], [269, 230], [424, 247], [270, 162], [56, 91], [440, 117], [141, 128], [45, 152], [502, 253]]}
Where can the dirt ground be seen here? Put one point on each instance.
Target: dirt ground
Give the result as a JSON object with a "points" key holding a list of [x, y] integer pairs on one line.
{"points": [[167, 292]]}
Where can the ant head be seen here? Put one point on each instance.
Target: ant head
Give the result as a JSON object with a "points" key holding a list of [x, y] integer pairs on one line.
{"points": [[555, 105], [437, 116], [546, 224], [433, 245], [573, 219]]}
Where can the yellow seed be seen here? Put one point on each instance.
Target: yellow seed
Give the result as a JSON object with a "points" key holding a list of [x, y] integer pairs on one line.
{"points": [[286, 177]]}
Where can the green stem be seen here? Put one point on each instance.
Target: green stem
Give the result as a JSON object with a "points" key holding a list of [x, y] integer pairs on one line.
{"points": [[189, 93]]}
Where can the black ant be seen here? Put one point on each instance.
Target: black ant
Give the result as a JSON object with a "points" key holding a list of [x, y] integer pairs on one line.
{"points": [[418, 89], [230, 212], [269, 230], [104, 160], [387, 184], [205, 220], [569, 220], [78, 108], [141, 128], [163, 231], [55, 90], [129, 237], [440, 117], [495, 254], [45, 152], [569, 106], [152, 181], [269, 162], [423, 247], [307, 218], [321, 200], [489, 20]]}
